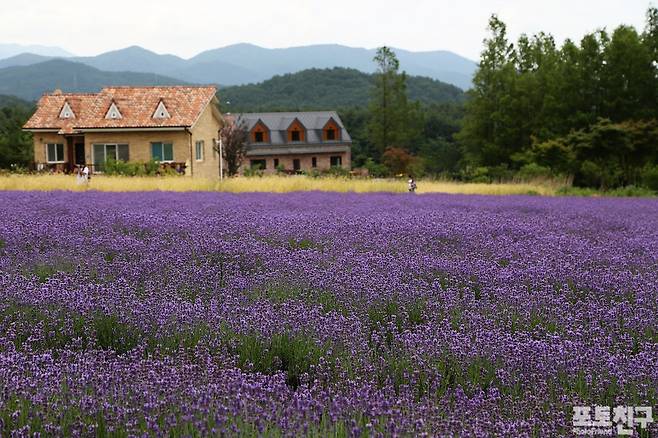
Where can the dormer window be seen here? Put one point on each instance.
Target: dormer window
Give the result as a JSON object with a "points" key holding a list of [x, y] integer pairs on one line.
{"points": [[113, 113], [66, 112], [161, 112], [260, 133], [296, 132], [331, 131]]}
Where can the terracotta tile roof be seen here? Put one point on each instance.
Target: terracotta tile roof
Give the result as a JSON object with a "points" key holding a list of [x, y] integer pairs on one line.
{"points": [[136, 105]]}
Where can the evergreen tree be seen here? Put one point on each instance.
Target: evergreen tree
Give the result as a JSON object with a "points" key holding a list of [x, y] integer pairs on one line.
{"points": [[390, 121], [486, 123]]}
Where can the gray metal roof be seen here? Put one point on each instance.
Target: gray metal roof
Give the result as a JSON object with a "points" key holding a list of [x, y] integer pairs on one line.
{"points": [[313, 121]]}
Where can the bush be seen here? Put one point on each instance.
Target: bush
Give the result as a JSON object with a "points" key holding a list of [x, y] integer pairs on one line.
{"points": [[376, 170], [476, 175], [576, 191], [631, 191], [338, 171], [151, 167], [253, 171], [650, 177], [114, 167], [532, 171]]}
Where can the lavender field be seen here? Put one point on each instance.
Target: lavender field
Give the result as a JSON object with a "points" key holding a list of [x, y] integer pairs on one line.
{"points": [[314, 314]]}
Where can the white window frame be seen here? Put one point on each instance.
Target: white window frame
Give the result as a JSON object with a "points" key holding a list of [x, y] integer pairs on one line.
{"points": [[56, 161], [105, 145], [199, 150]]}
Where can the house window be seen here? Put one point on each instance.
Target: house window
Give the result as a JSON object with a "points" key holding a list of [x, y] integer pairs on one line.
{"points": [[162, 151], [199, 149], [331, 134], [296, 164], [314, 162], [295, 135], [103, 152], [258, 164], [259, 137], [55, 153], [276, 162], [336, 161]]}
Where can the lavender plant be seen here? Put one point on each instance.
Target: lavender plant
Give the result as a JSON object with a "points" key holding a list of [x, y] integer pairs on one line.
{"points": [[322, 314]]}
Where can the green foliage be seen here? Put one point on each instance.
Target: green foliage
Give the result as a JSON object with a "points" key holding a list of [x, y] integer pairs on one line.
{"points": [[114, 167], [253, 171], [16, 149], [393, 122], [375, 169], [533, 171], [650, 177], [294, 354], [587, 111]]}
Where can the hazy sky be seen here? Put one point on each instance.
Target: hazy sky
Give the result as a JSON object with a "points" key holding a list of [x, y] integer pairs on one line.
{"points": [[187, 27]]}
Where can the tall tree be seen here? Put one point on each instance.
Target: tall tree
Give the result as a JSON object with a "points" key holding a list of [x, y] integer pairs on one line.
{"points": [[389, 109], [485, 125], [628, 77]]}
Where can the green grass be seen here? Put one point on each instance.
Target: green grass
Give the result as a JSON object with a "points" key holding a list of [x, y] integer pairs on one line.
{"points": [[293, 354]]}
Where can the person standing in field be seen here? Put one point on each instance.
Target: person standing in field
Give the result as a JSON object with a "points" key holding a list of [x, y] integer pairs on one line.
{"points": [[85, 174], [412, 185]]}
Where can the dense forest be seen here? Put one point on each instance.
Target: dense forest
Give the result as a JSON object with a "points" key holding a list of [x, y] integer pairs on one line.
{"points": [[586, 110], [326, 89]]}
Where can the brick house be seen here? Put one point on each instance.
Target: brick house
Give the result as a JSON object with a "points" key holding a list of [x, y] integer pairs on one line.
{"points": [[296, 141], [176, 126]]}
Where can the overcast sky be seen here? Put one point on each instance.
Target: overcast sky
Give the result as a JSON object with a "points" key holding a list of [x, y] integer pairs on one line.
{"points": [[187, 27]]}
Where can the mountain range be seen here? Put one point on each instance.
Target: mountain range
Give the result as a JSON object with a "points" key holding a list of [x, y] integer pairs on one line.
{"points": [[246, 63], [8, 50], [29, 82], [312, 89]]}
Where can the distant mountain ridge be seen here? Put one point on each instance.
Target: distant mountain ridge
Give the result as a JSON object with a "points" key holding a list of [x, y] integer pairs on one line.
{"points": [[241, 64], [8, 50], [29, 82]]}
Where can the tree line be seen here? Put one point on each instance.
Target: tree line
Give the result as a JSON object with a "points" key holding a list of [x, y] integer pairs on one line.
{"points": [[587, 110]]}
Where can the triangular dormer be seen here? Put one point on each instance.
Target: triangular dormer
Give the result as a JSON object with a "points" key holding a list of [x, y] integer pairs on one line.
{"points": [[161, 111], [113, 113], [66, 112], [296, 131]]}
